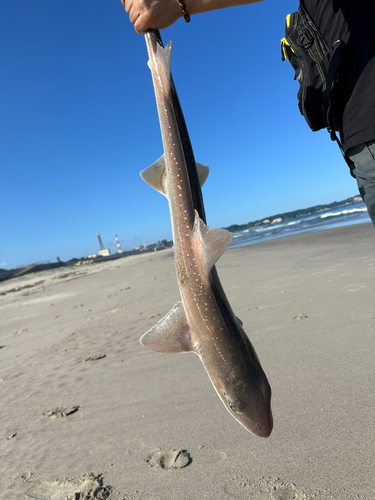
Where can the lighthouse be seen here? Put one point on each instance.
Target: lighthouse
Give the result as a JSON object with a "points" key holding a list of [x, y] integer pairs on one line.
{"points": [[118, 244]]}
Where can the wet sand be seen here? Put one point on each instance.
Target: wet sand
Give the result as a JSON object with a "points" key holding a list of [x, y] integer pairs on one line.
{"points": [[87, 412]]}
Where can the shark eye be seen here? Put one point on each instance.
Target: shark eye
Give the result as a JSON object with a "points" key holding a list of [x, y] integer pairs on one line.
{"points": [[235, 409], [238, 409]]}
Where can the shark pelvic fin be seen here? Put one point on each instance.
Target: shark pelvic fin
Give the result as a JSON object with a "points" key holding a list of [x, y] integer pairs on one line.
{"points": [[156, 175], [214, 242], [203, 171], [171, 334]]}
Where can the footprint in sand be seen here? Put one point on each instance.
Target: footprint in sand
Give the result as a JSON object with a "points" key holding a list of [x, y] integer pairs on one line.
{"points": [[62, 412], [20, 331], [88, 487], [301, 316], [271, 489], [94, 358], [134, 447], [204, 456], [175, 459]]}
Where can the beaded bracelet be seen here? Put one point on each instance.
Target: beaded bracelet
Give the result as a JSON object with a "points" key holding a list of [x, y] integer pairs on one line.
{"points": [[184, 11]]}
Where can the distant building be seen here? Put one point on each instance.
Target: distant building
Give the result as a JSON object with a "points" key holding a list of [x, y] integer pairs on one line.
{"points": [[106, 252], [103, 252]]}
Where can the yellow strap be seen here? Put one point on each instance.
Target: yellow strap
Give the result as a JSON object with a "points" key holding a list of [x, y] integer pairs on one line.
{"points": [[284, 44], [284, 41]]}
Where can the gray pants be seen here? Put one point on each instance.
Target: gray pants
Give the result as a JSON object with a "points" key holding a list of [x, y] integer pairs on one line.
{"points": [[363, 157]]}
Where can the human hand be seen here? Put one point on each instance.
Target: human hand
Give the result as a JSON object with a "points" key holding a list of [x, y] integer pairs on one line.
{"points": [[152, 14]]}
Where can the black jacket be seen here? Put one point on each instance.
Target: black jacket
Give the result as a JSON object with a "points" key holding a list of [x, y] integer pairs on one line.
{"points": [[355, 95]]}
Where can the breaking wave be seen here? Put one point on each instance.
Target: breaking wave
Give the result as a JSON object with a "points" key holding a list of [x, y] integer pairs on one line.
{"points": [[355, 213]]}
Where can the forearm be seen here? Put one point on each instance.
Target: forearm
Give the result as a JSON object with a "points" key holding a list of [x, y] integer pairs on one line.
{"points": [[159, 14], [200, 6]]}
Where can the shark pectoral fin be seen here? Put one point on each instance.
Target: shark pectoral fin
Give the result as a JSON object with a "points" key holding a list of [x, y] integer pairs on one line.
{"points": [[214, 242], [203, 171], [171, 334], [156, 176]]}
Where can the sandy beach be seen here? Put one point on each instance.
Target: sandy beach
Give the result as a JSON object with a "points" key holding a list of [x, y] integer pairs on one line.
{"points": [[87, 412]]}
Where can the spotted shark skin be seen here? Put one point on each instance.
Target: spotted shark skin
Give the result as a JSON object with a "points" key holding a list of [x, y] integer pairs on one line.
{"points": [[203, 321]]}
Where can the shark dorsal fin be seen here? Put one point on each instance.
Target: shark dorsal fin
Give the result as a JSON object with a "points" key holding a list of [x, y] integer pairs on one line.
{"points": [[171, 334], [213, 242]]}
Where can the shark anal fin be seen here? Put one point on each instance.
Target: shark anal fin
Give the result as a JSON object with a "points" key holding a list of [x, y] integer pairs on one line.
{"points": [[213, 242], [171, 334]]}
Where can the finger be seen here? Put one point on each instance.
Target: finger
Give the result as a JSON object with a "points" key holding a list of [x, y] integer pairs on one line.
{"points": [[133, 15], [128, 4], [140, 26]]}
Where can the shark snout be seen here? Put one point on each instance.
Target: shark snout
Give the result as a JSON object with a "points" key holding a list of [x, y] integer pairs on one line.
{"points": [[258, 418], [264, 426], [250, 405], [258, 421], [265, 419]]}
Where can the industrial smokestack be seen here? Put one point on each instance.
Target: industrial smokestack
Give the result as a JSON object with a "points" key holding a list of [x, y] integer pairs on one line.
{"points": [[100, 241]]}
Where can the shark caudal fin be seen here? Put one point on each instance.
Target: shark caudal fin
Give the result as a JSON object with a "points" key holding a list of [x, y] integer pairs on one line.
{"points": [[162, 60], [156, 176], [213, 242], [171, 334]]}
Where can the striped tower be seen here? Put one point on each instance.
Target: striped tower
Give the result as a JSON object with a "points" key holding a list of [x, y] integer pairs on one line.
{"points": [[118, 244]]}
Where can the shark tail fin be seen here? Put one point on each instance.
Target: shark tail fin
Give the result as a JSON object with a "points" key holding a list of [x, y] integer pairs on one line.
{"points": [[156, 176], [162, 59], [164, 55]]}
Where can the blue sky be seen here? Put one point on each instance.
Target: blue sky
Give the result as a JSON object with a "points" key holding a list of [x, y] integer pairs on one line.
{"points": [[78, 122]]}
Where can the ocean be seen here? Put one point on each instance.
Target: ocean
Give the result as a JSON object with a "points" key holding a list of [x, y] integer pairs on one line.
{"points": [[347, 215]]}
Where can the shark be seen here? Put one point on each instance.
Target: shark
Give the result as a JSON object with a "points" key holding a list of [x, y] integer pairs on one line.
{"points": [[203, 321]]}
